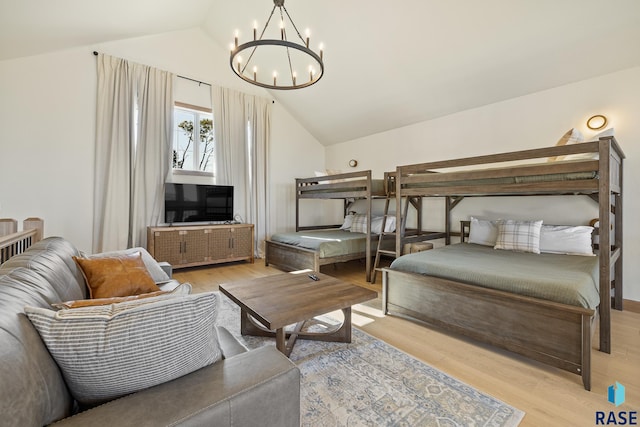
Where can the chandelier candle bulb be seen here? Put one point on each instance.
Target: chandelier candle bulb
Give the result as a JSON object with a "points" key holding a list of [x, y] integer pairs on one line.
{"points": [[236, 39], [255, 73], [255, 30], [308, 35]]}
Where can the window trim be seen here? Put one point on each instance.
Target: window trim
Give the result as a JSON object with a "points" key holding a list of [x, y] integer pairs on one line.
{"points": [[193, 107], [191, 172]]}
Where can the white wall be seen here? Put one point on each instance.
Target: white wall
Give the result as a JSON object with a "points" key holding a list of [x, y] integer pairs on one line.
{"points": [[47, 113], [293, 154], [532, 121]]}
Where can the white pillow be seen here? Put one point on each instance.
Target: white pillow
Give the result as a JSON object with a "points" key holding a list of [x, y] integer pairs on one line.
{"points": [[603, 134], [590, 156], [483, 231], [348, 221], [108, 351], [519, 236], [329, 172], [566, 239], [389, 226], [572, 136]]}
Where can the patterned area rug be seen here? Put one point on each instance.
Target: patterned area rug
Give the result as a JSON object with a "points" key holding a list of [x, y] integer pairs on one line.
{"points": [[371, 383]]}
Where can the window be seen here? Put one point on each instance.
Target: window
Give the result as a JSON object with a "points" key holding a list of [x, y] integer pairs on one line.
{"points": [[193, 139]]}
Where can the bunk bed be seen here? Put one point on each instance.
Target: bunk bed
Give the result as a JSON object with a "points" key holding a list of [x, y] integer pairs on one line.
{"points": [[290, 255], [556, 333]]}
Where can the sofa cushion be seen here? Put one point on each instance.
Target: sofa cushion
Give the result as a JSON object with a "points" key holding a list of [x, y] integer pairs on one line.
{"points": [[109, 351], [116, 276], [260, 387], [32, 389], [52, 259]]}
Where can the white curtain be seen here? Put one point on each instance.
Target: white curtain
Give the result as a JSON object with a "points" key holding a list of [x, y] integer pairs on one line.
{"points": [[151, 162], [112, 156], [129, 178], [230, 128], [259, 131], [242, 129]]}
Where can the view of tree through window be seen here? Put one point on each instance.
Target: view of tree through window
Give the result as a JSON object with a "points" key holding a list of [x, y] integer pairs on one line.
{"points": [[193, 140]]}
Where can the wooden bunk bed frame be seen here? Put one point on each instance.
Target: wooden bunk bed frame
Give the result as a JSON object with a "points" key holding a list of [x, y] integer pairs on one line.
{"points": [[346, 186], [553, 333]]}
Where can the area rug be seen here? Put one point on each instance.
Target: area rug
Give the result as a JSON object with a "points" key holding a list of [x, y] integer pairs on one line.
{"points": [[371, 383]]}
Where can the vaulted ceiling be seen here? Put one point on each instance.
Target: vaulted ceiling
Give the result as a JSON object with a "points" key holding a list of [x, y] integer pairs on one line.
{"points": [[388, 64]]}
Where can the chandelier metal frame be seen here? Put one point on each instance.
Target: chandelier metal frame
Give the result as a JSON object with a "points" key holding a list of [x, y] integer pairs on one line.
{"points": [[254, 44]]}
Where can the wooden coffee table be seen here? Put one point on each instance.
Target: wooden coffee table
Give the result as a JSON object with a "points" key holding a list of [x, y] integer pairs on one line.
{"points": [[291, 299]]}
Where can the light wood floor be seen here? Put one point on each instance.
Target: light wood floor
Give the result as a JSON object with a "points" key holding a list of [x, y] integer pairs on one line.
{"points": [[549, 396]]}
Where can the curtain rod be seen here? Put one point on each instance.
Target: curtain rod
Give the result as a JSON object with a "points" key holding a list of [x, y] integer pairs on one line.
{"points": [[187, 78], [177, 75], [194, 80]]}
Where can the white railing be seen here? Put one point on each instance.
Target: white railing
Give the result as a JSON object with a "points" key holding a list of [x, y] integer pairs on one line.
{"points": [[13, 242]]}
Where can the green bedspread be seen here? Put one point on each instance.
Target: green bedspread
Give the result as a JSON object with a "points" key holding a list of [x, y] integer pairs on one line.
{"points": [[568, 279], [328, 243]]}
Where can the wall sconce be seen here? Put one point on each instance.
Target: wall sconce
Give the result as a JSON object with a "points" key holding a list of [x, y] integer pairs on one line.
{"points": [[353, 163], [597, 122]]}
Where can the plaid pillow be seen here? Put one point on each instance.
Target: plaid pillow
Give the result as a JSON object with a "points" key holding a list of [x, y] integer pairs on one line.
{"points": [[520, 236], [359, 224]]}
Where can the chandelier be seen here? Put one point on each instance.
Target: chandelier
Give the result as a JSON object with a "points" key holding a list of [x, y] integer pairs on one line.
{"points": [[272, 60]]}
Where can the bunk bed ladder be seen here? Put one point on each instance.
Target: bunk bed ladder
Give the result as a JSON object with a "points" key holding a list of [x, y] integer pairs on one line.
{"points": [[382, 249]]}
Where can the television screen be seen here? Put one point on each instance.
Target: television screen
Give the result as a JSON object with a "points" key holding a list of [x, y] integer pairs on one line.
{"points": [[197, 203]]}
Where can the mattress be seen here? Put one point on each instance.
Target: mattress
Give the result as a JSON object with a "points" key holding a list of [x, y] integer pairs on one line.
{"points": [[567, 279], [328, 243]]}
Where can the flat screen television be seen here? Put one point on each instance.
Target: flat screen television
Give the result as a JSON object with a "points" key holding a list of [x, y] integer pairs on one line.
{"points": [[197, 203]]}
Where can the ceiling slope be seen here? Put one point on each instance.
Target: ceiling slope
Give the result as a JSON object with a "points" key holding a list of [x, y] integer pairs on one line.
{"points": [[388, 64]]}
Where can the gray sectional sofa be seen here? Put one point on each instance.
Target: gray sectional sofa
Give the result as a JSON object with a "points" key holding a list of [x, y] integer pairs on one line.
{"points": [[245, 388]]}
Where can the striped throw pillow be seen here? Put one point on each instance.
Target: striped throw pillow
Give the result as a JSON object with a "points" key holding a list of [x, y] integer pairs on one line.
{"points": [[520, 236], [108, 351]]}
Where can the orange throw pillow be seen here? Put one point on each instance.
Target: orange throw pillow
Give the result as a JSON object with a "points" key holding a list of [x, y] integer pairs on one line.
{"points": [[117, 276]]}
